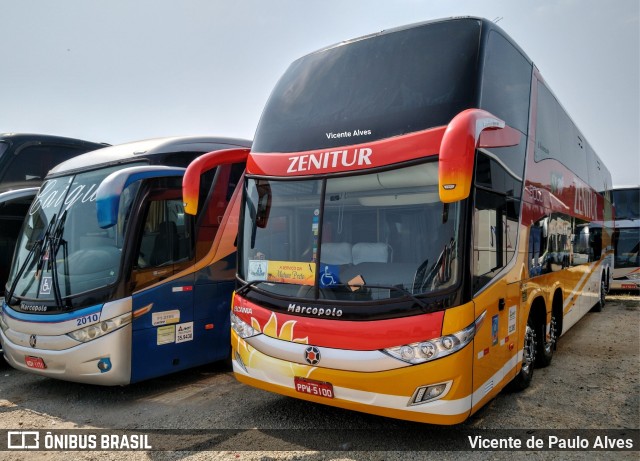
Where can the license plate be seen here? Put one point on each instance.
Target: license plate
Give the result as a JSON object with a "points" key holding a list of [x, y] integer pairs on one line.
{"points": [[629, 286], [35, 362], [319, 388]]}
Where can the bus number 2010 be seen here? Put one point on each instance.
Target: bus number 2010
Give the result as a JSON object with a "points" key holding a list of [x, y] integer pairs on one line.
{"points": [[87, 319]]}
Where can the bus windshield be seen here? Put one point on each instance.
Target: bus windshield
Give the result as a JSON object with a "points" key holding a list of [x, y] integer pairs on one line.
{"points": [[355, 238], [62, 251], [376, 87], [627, 242]]}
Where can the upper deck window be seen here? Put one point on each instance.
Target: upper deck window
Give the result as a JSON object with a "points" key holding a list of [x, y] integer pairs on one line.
{"points": [[373, 88]]}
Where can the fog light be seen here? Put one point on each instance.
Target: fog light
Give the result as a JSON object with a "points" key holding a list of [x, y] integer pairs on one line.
{"points": [[428, 393], [104, 365]]}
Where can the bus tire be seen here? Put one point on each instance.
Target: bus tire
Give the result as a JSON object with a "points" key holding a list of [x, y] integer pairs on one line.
{"points": [[602, 295], [544, 354], [529, 348]]}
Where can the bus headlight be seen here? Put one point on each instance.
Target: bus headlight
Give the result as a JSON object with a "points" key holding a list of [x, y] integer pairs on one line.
{"points": [[100, 329], [3, 326], [432, 349], [242, 328]]}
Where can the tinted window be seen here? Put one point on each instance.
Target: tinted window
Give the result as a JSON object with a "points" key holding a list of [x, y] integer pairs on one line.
{"points": [[34, 162], [373, 88], [3, 148], [495, 233], [627, 202], [506, 82], [165, 238], [557, 137], [501, 169]]}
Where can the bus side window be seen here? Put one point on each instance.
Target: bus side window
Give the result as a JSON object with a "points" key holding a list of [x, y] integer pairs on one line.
{"points": [[165, 238], [217, 188], [494, 235]]}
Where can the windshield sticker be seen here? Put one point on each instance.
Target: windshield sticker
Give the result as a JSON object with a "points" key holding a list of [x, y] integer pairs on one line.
{"points": [[45, 286], [184, 332], [165, 317], [166, 335], [291, 272], [51, 195], [329, 275], [314, 229], [257, 270]]}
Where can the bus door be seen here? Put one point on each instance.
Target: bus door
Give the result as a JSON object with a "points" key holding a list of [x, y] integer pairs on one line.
{"points": [[164, 338], [211, 195], [496, 341], [215, 277]]}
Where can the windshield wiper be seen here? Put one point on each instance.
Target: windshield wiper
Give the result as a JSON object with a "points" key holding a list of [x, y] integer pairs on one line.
{"points": [[423, 305], [38, 246], [249, 285], [55, 242]]}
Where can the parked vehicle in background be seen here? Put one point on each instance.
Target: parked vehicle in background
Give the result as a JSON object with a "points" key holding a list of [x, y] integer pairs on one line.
{"points": [[25, 159], [14, 205], [626, 238], [112, 283], [414, 232]]}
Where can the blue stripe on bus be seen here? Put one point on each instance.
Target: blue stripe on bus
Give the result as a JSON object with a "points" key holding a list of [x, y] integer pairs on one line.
{"points": [[51, 318]]}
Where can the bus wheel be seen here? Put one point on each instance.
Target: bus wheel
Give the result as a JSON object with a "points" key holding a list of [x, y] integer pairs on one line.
{"points": [[601, 297], [544, 354], [523, 379]]}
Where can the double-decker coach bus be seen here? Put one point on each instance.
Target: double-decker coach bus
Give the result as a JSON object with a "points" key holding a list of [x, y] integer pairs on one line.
{"points": [[626, 238], [414, 232], [111, 282]]}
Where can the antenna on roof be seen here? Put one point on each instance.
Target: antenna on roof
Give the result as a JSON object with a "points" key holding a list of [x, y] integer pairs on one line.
{"points": [[497, 19]]}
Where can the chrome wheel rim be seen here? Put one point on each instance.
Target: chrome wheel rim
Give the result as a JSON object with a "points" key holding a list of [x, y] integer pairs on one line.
{"points": [[529, 350], [553, 335]]}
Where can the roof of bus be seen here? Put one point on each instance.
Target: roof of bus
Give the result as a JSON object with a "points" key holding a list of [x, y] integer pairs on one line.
{"points": [[486, 27], [21, 138], [145, 149]]}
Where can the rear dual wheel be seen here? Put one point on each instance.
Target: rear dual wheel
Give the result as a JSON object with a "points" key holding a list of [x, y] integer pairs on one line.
{"points": [[529, 351], [544, 354]]}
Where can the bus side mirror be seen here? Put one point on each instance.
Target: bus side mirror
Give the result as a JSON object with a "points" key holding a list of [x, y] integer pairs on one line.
{"points": [[470, 129], [110, 189], [264, 205], [204, 163]]}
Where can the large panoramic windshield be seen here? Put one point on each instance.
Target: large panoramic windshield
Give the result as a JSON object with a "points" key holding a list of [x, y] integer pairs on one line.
{"points": [[373, 88], [62, 251], [358, 238]]}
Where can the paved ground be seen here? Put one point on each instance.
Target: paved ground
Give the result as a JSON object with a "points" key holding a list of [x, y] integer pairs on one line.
{"points": [[593, 383]]}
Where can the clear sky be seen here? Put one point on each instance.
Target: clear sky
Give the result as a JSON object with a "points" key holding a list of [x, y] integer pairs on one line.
{"points": [[124, 70]]}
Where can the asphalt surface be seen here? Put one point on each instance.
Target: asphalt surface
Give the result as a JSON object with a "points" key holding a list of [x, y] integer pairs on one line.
{"points": [[591, 389]]}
